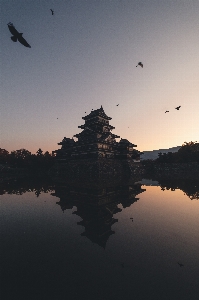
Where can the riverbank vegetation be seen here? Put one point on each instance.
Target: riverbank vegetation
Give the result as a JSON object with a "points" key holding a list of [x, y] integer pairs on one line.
{"points": [[189, 152], [23, 158], [181, 164]]}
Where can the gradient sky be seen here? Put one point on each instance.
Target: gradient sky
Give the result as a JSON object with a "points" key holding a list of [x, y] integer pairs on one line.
{"points": [[85, 56]]}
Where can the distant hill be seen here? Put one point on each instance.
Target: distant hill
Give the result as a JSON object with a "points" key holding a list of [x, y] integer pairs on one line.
{"points": [[154, 153]]}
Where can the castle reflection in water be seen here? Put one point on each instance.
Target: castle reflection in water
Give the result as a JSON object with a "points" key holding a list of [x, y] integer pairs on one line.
{"points": [[97, 205], [58, 239]]}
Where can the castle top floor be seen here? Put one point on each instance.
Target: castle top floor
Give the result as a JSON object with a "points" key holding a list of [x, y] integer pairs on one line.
{"points": [[97, 114]]}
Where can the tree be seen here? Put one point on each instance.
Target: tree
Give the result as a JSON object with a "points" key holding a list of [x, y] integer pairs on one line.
{"points": [[188, 152], [4, 154], [39, 152], [20, 157]]}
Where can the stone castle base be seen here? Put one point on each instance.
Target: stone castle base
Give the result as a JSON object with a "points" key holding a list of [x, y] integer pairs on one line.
{"points": [[96, 169]]}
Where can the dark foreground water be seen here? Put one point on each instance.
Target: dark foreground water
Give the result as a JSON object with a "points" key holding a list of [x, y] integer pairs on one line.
{"points": [[100, 242]]}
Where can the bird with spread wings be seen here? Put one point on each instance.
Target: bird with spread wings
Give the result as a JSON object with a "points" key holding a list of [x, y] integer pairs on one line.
{"points": [[17, 35], [140, 64]]}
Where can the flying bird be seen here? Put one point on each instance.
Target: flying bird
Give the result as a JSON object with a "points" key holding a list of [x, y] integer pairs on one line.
{"points": [[181, 265], [178, 107], [166, 111], [17, 35], [140, 64], [117, 104], [52, 11]]}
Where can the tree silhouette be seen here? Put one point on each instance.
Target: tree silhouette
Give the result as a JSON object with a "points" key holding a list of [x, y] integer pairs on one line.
{"points": [[23, 158], [39, 152], [3, 156], [188, 152], [19, 157]]}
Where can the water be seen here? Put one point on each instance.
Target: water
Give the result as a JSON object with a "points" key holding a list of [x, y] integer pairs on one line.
{"points": [[103, 242]]}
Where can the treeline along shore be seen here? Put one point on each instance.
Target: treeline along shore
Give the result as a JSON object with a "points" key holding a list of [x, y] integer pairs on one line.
{"points": [[181, 164], [21, 163]]}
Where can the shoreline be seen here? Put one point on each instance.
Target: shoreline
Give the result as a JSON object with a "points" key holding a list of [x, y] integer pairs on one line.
{"points": [[106, 169]]}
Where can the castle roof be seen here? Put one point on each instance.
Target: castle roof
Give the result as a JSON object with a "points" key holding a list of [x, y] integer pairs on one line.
{"points": [[97, 112], [126, 142]]}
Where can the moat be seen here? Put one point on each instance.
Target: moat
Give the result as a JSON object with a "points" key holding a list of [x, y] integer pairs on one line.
{"points": [[137, 239]]}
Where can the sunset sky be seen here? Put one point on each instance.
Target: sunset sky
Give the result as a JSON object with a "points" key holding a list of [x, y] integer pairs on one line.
{"points": [[85, 56]]}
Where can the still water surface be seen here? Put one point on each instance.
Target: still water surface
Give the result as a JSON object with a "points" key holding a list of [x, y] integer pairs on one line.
{"points": [[138, 241]]}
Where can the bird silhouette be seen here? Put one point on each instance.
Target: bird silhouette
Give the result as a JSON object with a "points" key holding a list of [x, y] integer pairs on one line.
{"points": [[117, 104], [178, 107], [17, 35], [140, 64], [181, 265], [52, 11], [166, 111]]}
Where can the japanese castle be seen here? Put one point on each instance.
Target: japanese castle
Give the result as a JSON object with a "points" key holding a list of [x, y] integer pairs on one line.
{"points": [[96, 141]]}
